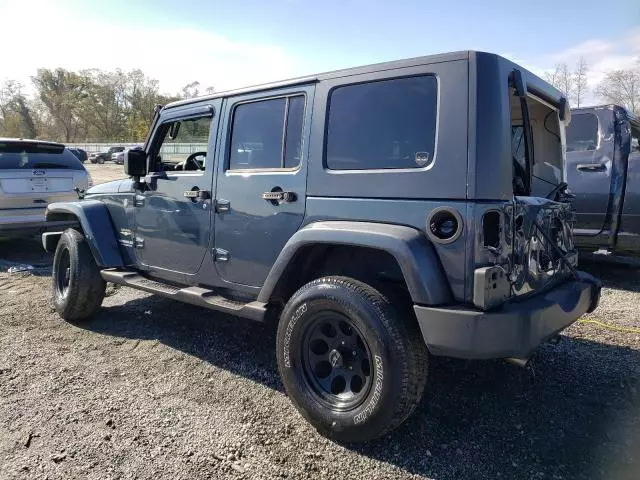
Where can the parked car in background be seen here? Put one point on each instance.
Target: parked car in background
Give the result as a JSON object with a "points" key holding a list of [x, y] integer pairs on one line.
{"points": [[119, 156], [105, 156], [34, 173], [603, 172], [79, 153]]}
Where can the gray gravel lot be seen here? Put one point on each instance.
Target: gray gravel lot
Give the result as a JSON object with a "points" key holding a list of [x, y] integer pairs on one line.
{"points": [[151, 388]]}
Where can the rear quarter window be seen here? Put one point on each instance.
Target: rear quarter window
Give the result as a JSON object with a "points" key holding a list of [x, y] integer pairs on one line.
{"points": [[388, 124], [17, 158]]}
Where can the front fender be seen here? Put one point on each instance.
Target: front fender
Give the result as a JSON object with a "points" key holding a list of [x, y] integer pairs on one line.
{"points": [[418, 261], [97, 228]]}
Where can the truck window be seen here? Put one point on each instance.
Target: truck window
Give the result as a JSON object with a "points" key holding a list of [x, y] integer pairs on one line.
{"points": [[582, 132], [267, 134], [383, 124]]}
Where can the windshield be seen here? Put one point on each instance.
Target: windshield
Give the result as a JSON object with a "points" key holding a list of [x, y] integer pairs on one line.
{"points": [[582, 133], [17, 159]]}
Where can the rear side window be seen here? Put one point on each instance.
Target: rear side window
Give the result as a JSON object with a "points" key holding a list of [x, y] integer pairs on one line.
{"points": [[582, 132], [14, 157], [383, 125], [267, 134]]}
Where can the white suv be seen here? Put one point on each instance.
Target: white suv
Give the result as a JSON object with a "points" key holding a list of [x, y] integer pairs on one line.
{"points": [[34, 173]]}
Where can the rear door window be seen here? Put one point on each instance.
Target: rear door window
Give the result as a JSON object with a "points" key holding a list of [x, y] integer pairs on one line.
{"points": [[16, 157], [582, 133], [267, 134], [387, 124]]}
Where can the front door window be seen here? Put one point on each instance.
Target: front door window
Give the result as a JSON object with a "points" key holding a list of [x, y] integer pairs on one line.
{"points": [[184, 145]]}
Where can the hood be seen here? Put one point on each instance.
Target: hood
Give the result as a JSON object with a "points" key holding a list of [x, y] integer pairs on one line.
{"points": [[115, 186]]}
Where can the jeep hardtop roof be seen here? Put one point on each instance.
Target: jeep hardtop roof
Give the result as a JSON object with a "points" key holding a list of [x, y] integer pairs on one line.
{"points": [[444, 57], [376, 67]]}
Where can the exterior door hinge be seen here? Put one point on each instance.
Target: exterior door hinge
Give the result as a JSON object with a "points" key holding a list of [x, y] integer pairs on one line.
{"points": [[138, 243], [220, 255], [139, 201]]}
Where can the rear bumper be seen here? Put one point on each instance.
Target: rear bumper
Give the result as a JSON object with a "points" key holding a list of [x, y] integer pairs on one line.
{"points": [[515, 329], [26, 219], [29, 221]]}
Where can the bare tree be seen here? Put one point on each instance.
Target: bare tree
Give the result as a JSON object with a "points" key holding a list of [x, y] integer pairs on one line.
{"points": [[191, 90], [580, 80], [622, 87], [562, 79]]}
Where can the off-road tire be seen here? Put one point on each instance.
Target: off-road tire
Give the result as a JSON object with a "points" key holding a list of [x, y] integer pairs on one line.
{"points": [[85, 288], [398, 367]]}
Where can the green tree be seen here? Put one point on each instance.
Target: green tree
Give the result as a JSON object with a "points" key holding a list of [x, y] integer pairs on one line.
{"points": [[16, 118], [63, 93]]}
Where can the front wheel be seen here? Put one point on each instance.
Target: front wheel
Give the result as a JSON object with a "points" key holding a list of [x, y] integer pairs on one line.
{"points": [[352, 366], [78, 288]]}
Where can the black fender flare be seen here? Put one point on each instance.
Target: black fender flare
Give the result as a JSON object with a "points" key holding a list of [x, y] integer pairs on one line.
{"points": [[416, 256], [97, 228]]}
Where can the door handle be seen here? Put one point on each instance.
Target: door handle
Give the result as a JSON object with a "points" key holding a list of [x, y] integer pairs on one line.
{"points": [[195, 194], [277, 197], [591, 167]]}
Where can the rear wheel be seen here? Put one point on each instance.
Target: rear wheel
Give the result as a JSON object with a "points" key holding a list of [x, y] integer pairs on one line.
{"points": [[78, 288], [353, 367]]}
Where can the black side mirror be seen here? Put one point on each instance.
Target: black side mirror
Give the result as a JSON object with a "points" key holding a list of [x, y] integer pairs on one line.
{"points": [[135, 163]]}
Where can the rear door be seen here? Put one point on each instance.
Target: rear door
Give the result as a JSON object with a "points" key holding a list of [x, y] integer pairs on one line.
{"points": [[590, 150], [631, 210], [33, 175], [261, 182]]}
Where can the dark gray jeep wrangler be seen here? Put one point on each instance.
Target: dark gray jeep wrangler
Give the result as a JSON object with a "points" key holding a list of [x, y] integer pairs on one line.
{"points": [[381, 214]]}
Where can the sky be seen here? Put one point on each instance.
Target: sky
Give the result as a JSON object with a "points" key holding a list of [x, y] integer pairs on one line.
{"points": [[228, 44]]}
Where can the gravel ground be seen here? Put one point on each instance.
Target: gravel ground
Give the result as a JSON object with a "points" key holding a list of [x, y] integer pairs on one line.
{"points": [[151, 388], [105, 172]]}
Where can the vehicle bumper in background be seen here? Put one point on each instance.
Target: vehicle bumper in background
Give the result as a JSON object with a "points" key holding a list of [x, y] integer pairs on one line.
{"points": [[28, 221], [515, 329]]}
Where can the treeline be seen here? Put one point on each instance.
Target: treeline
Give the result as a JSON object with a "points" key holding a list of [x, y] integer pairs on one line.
{"points": [[85, 106], [116, 106], [621, 87]]}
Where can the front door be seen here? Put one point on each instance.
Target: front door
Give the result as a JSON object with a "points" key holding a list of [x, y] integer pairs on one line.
{"points": [[261, 182], [173, 208]]}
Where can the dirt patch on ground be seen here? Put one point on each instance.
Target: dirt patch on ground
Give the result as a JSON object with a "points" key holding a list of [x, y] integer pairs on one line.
{"points": [[101, 173], [151, 388]]}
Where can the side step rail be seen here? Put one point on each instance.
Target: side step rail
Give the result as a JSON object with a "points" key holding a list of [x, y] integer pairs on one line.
{"points": [[201, 297]]}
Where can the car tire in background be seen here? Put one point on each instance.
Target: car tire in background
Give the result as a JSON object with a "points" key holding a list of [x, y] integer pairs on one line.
{"points": [[353, 366], [78, 288]]}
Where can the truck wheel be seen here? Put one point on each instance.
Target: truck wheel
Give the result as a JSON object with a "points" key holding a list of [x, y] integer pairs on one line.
{"points": [[100, 160], [78, 288], [353, 366]]}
